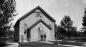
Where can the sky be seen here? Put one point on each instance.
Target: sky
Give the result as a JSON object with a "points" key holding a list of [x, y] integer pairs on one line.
{"points": [[55, 8]]}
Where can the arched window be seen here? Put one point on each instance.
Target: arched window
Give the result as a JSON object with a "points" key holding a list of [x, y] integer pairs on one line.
{"points": [[50, 25], [25, 29]]}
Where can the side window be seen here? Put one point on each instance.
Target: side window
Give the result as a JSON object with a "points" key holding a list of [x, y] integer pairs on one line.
{"points": [[25, 28], [51, 25]]}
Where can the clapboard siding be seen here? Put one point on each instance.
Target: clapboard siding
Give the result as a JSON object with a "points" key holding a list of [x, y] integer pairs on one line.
{"points": [[35, 19]]}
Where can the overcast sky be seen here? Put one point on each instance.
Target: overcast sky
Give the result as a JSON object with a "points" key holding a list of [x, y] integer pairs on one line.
{"points": [[56, 8]]}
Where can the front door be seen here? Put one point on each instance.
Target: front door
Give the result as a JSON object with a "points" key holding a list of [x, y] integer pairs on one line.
{"points": [[43, 37], [42, 34]]}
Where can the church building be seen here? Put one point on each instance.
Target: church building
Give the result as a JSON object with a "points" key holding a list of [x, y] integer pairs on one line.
{"points": [[36, 25]]}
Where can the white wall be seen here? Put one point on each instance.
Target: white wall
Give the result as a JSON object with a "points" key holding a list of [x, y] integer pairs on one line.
{"points": [[35, 34], [30, 20]]}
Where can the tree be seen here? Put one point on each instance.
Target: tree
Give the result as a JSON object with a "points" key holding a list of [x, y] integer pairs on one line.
{"points": [[67, 24], [60, 31], [7, 10], [84, 22], [84, 19], [74, 31], [66, 28]]}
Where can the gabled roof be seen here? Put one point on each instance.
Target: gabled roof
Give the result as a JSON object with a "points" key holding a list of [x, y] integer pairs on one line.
{"points": [[38, 7], [39, 21]]}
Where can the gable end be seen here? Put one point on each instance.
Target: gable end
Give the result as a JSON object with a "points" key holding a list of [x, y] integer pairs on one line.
{"points": [[38, 23], [32, 11]]}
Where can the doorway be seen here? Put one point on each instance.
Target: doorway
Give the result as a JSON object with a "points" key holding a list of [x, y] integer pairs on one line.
{"points": [[43, 37]]}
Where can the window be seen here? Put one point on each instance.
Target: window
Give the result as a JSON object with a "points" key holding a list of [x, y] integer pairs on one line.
{"points": [[25, 29], [38, 14]]}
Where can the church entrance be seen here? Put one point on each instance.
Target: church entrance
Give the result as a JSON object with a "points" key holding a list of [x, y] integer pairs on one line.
{"points": [[43, 37], [42, 33], [38, 32]]}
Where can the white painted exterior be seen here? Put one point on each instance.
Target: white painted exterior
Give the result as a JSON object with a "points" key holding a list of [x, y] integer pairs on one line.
{"points": [[29, 21], [35, 34]]}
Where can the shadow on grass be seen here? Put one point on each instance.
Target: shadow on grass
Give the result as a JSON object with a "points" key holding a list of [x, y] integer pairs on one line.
{"points": [[68, 43], [40, 44], [55, 44], [3, 42]]}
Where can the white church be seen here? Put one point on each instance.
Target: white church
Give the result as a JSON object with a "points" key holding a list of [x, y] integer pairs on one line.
{"points": [[35, 25]]}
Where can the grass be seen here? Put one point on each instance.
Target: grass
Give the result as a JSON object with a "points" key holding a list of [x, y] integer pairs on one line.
{"points": [[41, 44], [33, 43], [3, 42], [68, 43]]}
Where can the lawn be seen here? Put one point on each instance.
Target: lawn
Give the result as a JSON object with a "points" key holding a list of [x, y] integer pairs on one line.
{"points": [[65, 42], [44, 46], [55, 44], [40, 44]]}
